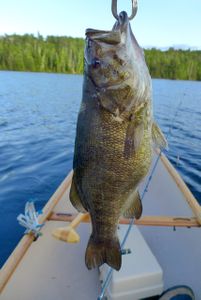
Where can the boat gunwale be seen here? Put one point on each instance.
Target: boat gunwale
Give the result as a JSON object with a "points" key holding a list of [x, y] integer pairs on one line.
{"points": [[190, 199]]}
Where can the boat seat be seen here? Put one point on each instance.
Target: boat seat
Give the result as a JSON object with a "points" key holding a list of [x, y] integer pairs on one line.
{"points": [[140, 275]]}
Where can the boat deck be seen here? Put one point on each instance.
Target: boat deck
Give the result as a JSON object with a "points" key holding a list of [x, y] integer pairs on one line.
{"points": [[177, 250], [51, 269]]}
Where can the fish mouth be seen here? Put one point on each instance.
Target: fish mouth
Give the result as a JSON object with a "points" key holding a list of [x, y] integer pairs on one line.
{"points": [[108, 37], [113, 36]]}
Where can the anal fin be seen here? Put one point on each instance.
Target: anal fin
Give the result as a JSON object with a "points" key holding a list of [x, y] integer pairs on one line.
{"points": [[75, 198], [134, 206]]}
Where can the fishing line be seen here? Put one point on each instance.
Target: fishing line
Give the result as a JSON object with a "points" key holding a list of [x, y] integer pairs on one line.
{"points": [[109, 275], [174, 119]]}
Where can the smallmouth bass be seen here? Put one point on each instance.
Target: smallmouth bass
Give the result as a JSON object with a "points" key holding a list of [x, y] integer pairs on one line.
{"points": [[114, 138]]}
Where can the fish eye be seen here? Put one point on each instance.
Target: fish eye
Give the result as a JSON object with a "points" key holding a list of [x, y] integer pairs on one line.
{"points": [[95, 63]]}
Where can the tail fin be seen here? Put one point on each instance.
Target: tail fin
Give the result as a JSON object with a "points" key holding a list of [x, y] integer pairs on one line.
{"points": [[98, 253]]}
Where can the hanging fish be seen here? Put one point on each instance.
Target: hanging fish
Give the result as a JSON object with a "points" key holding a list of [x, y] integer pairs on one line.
{"points": [[114, 139]]}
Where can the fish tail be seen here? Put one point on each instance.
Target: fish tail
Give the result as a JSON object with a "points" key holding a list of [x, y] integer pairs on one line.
{"points": [[98, 253]]}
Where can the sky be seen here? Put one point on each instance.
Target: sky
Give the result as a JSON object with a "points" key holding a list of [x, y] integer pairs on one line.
{"points": [[158, 23]]}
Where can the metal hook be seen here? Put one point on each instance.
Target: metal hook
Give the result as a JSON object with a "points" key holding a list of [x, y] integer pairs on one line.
{"points": [[134, 9]]}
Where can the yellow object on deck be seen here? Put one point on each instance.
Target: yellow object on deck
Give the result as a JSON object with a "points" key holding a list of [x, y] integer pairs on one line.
{"points": [[68, 234]]}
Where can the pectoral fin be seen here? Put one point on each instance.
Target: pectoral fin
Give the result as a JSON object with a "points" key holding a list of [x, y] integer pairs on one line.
{"points": [[75, 198], [135, 206], [134, 135], [158, 137]]}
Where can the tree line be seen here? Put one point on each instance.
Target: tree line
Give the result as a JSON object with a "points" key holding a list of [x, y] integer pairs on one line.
{"points": [[65, 55], [52, 54]]}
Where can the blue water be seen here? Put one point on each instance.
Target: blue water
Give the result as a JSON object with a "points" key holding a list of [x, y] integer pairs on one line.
{"points": [[37, 128]]}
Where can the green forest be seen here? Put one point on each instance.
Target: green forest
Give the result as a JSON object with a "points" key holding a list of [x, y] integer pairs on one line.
{"points": [[65, 55]]}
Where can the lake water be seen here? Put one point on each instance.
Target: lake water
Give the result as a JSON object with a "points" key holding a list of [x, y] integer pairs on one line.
{"points": [[38, 114]]}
